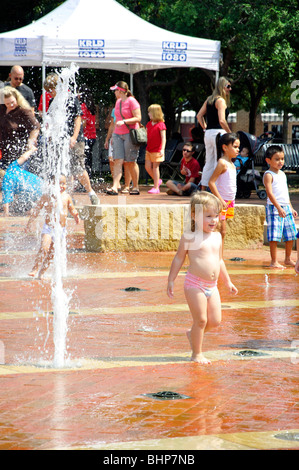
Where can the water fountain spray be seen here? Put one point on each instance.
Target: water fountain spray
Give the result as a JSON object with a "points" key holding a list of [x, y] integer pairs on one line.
{"points": [[56, 163]]}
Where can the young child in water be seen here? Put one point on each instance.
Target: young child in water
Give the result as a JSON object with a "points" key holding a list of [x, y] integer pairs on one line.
{"points": [[21, 183], [204, 249], [49, 202]]}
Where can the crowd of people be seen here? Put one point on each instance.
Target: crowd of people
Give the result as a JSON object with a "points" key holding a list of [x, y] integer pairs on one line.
{"points": [[213, 192], [20, 131], [20, 134]]}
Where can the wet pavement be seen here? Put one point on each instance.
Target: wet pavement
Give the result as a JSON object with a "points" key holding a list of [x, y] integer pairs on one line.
{"points": [[123, 345]]}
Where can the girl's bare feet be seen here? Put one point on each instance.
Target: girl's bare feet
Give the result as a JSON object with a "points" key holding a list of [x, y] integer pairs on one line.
{"points": [[200, 359], [289, 262], [276, 265], [196, 357]]}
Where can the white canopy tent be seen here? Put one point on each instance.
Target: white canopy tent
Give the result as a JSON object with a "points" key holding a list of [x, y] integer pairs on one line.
{"points": [[103, 34]]}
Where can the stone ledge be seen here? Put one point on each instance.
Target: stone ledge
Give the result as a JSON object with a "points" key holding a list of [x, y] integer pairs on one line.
{"points": [[246, 229], [150, 227]]}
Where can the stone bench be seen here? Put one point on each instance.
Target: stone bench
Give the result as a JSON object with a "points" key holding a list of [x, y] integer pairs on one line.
{"points": [[151, 227]]}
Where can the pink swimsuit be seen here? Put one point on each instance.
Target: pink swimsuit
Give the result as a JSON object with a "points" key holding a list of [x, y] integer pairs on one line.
{"points": [[195, 282]]}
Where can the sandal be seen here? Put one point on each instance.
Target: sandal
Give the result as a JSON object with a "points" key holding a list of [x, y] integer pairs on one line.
{"points": [[125, 191], [135, 192], [111, 192]]}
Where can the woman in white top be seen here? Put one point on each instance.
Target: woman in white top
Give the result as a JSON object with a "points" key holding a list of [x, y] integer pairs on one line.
{"points": [[213, 119]]}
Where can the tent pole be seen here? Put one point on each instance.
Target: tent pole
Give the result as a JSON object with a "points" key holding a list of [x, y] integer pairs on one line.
{"points": [[131, 82], [43, 90], [44, 108]]}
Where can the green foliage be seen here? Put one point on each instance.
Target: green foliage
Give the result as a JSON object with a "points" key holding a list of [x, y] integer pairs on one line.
{"points": [[259, 43]]}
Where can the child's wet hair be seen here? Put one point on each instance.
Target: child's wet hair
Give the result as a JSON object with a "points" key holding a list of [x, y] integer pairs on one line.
{"points": [[54, 178], [206, 200]]}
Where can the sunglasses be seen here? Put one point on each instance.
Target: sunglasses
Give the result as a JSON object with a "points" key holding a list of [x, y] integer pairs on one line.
{"points": [[229, 87], [186, 150]]}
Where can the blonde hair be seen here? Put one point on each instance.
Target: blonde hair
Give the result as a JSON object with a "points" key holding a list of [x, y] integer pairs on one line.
{"points": [[157, 113], [206, 200], [50, 82], [219, 91], [9, 91]]}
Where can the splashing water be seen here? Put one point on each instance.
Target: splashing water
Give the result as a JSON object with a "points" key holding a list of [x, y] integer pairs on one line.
{"points": [[56, 162]]}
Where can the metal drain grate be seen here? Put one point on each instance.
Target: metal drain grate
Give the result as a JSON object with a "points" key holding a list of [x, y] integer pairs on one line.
{"points": [[288, 436], [70, 313], [250, 353], [167, 395], [132, 289]]}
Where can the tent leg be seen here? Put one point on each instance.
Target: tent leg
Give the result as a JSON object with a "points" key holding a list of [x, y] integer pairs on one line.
{"points": [[131, 82], [43, 91], [44, 112]]}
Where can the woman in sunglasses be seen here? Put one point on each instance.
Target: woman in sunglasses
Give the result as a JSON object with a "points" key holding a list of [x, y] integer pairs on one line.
{"points": [[213, 119]]}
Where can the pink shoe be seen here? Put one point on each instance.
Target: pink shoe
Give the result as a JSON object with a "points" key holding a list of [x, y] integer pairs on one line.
{"points": [[154, 191]]}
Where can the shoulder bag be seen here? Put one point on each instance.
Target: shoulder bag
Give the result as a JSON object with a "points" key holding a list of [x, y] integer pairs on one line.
{"points": [[138, 136]]}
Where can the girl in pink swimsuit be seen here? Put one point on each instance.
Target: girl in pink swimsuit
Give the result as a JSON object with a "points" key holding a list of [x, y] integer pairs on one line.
{"points": [[204, 249]]}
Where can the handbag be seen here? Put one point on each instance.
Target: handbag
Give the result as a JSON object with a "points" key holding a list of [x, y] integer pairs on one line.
{"points": [[138, 136]]}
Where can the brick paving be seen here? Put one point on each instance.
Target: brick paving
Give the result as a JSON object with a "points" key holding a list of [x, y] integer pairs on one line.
{"points": [[122, 345]]}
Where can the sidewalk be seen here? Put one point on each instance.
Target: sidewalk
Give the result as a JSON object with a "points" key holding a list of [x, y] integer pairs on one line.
{"points": [[124, 345]]}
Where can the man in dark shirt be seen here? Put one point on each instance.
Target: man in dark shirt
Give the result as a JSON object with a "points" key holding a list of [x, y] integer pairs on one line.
{"points": [[16, 80]]}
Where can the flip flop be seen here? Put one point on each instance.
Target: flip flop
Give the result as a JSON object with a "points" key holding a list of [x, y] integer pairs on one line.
{"points": [[111, 192], [134, 192]]}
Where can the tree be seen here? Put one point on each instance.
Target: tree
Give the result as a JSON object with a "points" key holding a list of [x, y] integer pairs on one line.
{"points": [[259, 40]]}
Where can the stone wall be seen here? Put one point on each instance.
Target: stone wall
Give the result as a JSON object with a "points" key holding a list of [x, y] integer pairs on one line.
{"points": [[159, 227], [246, 229]]}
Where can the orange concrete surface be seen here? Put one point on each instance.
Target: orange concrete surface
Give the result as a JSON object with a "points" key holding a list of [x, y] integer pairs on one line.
{"points": [[122, 345]]}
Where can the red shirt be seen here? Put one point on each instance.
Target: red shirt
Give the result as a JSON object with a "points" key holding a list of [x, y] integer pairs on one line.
{"points": [[48, 99], [193, 168], [154, 141], [90, 127]]}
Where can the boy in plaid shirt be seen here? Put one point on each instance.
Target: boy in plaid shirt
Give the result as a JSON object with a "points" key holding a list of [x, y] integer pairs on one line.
{"points": [[279, 211]]}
